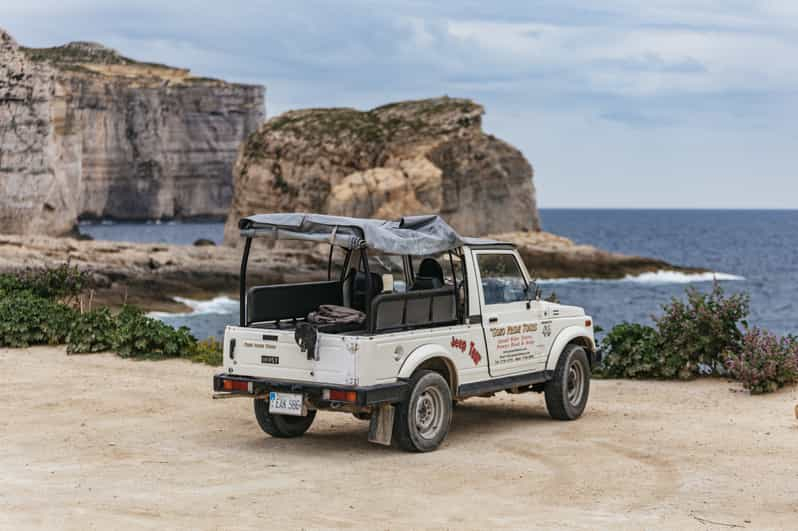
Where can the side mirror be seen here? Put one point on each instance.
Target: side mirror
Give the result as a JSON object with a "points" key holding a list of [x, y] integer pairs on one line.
{"points": [[533, 292]]}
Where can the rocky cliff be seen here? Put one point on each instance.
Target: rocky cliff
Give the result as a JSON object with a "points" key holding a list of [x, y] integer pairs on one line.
{"points": [[88, 132], [39, 147], [427, 156]]}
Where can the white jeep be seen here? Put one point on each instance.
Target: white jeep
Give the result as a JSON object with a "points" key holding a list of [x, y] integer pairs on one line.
{"points": [[444, 318]]}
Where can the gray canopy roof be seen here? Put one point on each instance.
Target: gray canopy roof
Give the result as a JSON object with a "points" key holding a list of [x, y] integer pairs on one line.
{"points": [[412, 235]]}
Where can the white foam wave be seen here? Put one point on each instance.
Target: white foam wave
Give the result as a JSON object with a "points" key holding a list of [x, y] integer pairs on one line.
{"points": [[677, 277], [654, 277], [217, 305]]}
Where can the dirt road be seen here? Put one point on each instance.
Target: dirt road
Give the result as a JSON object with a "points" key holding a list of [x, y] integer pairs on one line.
{"points": [[98, 442]]}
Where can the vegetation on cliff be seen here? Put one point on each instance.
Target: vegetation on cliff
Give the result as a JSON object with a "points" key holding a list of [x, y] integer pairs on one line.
{"points": [[381, 124], [82, 52]]}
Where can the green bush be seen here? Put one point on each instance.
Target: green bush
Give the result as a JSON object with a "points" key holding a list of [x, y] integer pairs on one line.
{"points": [[134, 335], [701, 331], [139, 336], [631, 350], [208, 351], [26, 320], [32, 312], [56, 283], [692, 337], [93, 331], [765, 362]]}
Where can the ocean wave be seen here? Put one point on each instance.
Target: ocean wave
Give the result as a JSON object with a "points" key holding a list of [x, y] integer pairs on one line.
{"points": [[218, 305], [225, 305], [654, 277]]}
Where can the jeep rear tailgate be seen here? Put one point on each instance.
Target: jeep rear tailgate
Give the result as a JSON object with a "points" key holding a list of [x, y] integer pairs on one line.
{"points": [[271, 353]]}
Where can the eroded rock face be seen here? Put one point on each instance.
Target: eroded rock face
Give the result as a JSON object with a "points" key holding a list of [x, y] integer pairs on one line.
{"points": [[415, 157], [39, 147], [85, 131], [160, 150]]}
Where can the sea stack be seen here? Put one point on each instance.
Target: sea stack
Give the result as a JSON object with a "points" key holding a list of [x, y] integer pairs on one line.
{"points": [[412, 157]]}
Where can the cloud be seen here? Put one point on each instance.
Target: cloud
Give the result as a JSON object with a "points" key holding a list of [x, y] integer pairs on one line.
{"points": [[568, 75]]}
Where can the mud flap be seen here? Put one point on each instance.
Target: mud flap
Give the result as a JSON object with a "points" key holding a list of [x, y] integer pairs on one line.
{"points": [[381, 426]]}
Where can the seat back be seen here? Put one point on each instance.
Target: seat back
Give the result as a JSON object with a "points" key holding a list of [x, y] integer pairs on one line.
{"points": [[414, 309], [430, 275], [290, 301]]}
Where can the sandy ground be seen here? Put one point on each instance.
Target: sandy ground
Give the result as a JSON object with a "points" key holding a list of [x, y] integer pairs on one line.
{"points": [[96, 441]]}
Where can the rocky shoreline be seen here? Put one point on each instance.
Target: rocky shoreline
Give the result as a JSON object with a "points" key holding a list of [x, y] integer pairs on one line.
{"points": [[151, 275]]}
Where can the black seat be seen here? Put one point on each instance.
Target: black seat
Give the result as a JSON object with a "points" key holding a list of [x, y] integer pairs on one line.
{"points": [[430, 275], [359, 289], [290, 301]]}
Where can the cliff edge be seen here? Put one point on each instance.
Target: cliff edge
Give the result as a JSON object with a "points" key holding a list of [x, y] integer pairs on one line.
{"points": [[85, 131], [412, 157]]}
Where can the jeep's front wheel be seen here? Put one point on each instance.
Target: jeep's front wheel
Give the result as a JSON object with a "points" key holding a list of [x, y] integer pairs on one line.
{"points": [[567, 392], [283, 426], [422, 421]]}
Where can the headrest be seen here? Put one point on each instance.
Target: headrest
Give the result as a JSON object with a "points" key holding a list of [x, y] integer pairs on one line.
{"points": [[360, 282], [430, 268]]}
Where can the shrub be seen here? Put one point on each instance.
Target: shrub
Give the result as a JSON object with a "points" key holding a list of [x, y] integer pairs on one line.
{"points": [[208, 351], [139, 336], [26, 320], [764, 362], [691, 337], [31, 314], [631, 351], [696, 334], [56, 283], [93, 331]]}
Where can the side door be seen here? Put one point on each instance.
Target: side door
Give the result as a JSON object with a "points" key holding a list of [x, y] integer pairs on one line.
{"points": [[510, 320]]}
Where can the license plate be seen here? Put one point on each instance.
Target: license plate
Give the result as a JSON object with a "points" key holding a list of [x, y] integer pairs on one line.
{"points": [[287, 404]]}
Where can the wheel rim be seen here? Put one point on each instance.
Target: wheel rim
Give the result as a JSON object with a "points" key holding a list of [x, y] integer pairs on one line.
{"points": [[428, 414], [576, 383]]}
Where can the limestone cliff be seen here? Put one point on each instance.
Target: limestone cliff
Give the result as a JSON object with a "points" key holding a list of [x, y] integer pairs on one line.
{"points": [[39, 147], [414, 157], [101, 135]]}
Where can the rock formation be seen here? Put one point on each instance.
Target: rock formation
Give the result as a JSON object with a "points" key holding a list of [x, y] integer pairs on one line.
{"points": [[150, 274], [39, 147], [87, 132], [415, 157]]}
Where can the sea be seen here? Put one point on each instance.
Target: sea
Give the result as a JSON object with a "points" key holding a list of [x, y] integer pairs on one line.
{"points": [[753, 251]]}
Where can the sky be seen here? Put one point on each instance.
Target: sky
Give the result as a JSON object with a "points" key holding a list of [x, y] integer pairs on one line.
{"points": [[617, 104]]}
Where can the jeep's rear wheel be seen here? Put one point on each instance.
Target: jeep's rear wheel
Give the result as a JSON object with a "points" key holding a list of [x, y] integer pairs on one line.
{"points": [[281, 425], [422, 421], [567, 392]]}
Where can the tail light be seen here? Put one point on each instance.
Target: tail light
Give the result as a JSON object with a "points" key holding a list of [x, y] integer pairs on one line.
{"points": [[339, 396], [235, 385]]}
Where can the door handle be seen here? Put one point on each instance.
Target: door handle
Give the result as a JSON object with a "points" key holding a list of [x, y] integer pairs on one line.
{"points": [[493, 319]]}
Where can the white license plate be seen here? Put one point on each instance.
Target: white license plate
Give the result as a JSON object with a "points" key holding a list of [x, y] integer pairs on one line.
{"points": [[287, 404]]}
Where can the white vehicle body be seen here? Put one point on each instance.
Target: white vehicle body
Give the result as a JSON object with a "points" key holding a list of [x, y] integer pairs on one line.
{"points": [[490, 345], [543, 331]]}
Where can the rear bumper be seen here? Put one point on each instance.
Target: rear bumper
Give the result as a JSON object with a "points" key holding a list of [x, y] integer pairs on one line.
{"points": [[366, 396]]}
